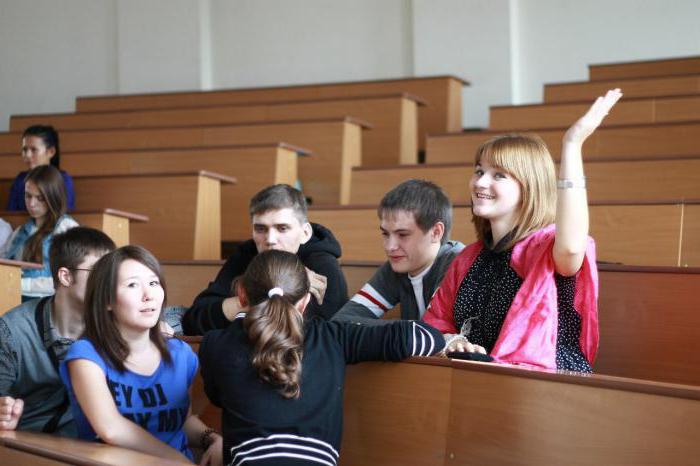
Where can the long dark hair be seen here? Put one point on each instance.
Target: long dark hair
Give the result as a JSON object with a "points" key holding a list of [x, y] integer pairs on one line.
{"points": [[49, 182], [275, 327], [101, 294], [50, 138]]}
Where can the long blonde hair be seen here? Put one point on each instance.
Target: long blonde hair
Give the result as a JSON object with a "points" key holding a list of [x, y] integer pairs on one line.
{"points": [[274, 325], [528, 160]]}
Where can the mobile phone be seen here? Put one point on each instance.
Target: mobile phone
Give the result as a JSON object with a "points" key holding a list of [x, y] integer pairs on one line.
{"points": [[466, 355]]}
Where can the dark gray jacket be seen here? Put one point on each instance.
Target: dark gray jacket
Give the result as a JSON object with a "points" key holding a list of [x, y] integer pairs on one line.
{"points": [[387, 288]]}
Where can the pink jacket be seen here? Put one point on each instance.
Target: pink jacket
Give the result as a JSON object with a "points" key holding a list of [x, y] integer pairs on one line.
{"points": [[529, 332]]}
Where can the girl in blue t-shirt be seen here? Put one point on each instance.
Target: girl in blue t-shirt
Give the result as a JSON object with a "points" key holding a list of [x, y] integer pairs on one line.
{"points": [[39, 147], [128, 385]]}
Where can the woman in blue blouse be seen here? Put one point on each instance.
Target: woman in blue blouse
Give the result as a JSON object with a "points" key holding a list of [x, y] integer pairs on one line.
{"points": [[39, 147]]}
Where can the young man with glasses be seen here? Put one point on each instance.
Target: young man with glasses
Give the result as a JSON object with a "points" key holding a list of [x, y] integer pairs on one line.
{"points": [[35, 336]]}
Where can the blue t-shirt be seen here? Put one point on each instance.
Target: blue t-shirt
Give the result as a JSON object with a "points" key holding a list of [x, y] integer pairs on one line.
{"points": [[15, 202], [158, 402]]}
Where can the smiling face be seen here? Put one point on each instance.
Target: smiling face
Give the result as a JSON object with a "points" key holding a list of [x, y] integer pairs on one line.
{"points": [[408, 248], [280, 229], [35, 202], [496, 195], [35, 152], [139, 297]]}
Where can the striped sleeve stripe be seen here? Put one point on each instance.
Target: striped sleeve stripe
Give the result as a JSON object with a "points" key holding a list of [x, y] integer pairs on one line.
{"points": [[284, 445], [372, 300], [427, 342], [283, 455]]}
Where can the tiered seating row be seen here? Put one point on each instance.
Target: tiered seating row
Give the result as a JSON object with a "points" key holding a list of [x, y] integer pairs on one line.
{"points": [[394, 120]]}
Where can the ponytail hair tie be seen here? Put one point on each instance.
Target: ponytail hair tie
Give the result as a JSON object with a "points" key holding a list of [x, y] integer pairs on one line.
{"points": [[275, 291]]}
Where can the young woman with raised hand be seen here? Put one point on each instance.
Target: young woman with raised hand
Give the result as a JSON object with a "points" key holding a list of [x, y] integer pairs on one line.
{"points": [[45, 199], [279, 380], [128, 384], [526, 291], [39, 147]]}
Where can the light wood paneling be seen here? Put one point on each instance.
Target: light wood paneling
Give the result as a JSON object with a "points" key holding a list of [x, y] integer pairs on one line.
{"points": [[644, 69], [407, 408], [499, 418], [585, 91], [649, 325], [48, 449], [642, 180], [171, 202], [628, 234], [622, 142], [690, 254], [336, 145], [626, 112], [114, 223], [11, 283], [186, 279], [259, 166], [442, 93], [394, 120]]}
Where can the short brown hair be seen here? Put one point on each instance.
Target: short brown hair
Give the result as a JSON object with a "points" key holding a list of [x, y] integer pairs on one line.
{"points": [[101, 294], [279, 196], [528, 160], [70, 248]]}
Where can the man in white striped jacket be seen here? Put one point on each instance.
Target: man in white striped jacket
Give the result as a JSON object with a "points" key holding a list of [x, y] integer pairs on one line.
{"points": [[415, 220]]}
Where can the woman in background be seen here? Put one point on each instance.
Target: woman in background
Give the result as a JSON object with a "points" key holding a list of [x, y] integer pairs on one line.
{"points": [[39, 147], [45, 200]]}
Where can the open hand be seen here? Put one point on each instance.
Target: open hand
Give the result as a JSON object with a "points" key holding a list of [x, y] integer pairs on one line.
{"points": [[588, 123], [10, 412], [464, 345]]}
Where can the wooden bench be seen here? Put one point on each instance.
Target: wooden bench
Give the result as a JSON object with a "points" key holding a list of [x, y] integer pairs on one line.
{"points": [[394, 119], [335, 143], [186, 279], [620, 142], [639, 233], [31, 448], [432, 411], [627, 112], [585, 91], [11, 282], [645, 68], [443, 95], [184, 210], [259, 166], [622, 180], [114, 223]]}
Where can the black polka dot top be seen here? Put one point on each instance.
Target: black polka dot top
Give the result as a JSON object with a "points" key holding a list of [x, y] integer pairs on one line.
{"points": [[486, 293]]}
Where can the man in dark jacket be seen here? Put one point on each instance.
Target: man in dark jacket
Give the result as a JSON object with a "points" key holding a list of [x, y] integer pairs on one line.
{"points": [[279, 218]]}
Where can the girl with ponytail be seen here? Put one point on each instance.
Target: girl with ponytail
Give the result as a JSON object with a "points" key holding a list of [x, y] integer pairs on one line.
{"points": [[278, 379]]}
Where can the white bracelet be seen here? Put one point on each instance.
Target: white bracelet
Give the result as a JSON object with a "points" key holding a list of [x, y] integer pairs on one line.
{"points": [[567, 184]]}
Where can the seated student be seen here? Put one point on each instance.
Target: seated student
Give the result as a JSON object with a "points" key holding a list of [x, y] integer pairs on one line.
{"points": [[128, 385], [5, 232], [526, 291], [415, 220], [280, 385], [39, 147], [278, 215], [35, 336], [46, 204]]}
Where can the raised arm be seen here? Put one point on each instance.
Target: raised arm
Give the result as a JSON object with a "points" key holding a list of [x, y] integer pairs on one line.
{"points": [[572, 202], [95, 399]]}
